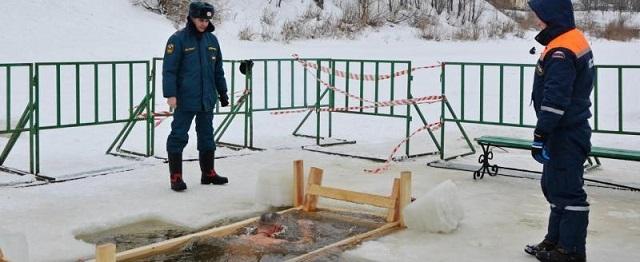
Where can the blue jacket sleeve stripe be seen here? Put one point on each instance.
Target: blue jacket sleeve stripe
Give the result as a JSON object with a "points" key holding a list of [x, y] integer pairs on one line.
{"points": [[552, 110], [558, 89]]}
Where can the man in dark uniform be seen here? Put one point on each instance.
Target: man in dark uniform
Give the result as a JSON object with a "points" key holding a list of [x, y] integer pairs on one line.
{"points": [[561, 97], [193, 80]]}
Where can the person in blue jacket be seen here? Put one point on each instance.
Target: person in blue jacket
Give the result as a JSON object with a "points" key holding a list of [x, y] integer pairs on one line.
{"points": [[193, 81], [561, 97]]}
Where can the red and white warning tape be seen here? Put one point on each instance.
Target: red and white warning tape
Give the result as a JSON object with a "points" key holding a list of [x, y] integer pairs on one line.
{"points": [[159, 117], [419, 100], [365, 77], [329, 86], [387, 164]]}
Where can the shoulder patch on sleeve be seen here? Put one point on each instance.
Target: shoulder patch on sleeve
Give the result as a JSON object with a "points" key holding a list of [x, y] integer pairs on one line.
{"points": [[170, 48], [558, 54]]}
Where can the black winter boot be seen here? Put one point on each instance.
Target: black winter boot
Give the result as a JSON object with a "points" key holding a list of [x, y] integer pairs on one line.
{"points": [[209, 175], [175, 172], [545, 245], [559, 255]]}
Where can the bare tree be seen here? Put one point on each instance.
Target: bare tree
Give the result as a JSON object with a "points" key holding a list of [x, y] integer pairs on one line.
{"points": [[364, 10]]}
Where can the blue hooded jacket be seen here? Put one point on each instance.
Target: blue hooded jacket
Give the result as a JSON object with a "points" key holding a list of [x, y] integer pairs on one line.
{"points": [[192, 69], [565, 71]]}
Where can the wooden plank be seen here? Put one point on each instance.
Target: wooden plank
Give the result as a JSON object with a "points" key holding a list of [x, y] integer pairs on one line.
{"points": [[176, 243], [106, 253], [298, 183], [154, 249], [400, 197], [383, 230], [505, 141], [405, 194], [315, 178], [393, 214], [355, 197]]}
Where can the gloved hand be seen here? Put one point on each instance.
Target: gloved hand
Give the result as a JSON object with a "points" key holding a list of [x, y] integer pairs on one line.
{"points": [[246, 66], [224, 100], [538, 149]]}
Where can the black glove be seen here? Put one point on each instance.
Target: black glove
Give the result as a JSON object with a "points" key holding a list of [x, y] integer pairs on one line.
{"points": [[538, 149], [224, 100], [246, 66]]}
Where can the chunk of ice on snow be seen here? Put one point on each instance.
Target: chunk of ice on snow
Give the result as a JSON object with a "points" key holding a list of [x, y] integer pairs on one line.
{"points": [[437, 211], [274, 188]]}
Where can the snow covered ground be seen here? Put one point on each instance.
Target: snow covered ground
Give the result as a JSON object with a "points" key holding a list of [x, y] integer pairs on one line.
{"points": [[501, 214]]}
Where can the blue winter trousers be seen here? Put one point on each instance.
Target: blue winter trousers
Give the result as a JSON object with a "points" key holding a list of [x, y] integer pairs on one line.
{"points": [[178, 138], [562, 185]]}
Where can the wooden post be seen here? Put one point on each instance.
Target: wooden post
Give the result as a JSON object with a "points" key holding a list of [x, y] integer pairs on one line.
{"points": [[106, 253], [392, 215], [176, 243], [298, 183], [2, 258], [352, 241], [315, 178], [405, 194]]}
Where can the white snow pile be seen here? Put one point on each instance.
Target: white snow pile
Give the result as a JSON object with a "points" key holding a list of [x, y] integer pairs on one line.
{"points": [[274, 188], [14, 246], [437, 211]]}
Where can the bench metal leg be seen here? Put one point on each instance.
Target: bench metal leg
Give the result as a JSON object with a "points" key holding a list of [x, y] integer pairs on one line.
{"points": [[486, 167], [591, 165]]}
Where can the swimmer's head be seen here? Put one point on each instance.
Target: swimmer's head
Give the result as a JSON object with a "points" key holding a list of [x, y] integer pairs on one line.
{"points": [[270, 219]]}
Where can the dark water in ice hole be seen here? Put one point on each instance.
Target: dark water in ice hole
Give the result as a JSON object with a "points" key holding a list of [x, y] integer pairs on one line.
{"points": [[328, 227], [150, 231]]}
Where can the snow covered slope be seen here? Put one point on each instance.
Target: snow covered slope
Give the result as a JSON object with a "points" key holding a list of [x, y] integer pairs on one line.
{"points": [[44, 30]]}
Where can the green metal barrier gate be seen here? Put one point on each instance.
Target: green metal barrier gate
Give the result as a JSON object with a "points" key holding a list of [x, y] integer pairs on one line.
{"points": [[26, 116], [350, 67], [92, 70], [508, 86], [61, 90], [283, 84], [61, 98]]}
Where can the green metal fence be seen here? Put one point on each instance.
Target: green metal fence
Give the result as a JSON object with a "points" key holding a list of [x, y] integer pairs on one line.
{"points": [[59, 98], [283, 84], [296, 87], [500, 93], [397, 88], [20, 126], [292, 90], [623, 101], [80, 94], [364, 79]]}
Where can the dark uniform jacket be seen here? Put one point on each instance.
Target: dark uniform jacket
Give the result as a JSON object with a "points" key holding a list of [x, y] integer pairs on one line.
{"points": [[565, 71], [192, 69]]}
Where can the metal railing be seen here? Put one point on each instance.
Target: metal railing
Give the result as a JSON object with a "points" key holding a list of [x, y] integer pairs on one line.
{"points": [[476, 87], [80, 94], [26, 116], [59, 90]]}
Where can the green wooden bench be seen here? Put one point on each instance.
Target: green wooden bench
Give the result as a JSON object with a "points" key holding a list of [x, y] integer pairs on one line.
{"points": [[486, 142]]}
